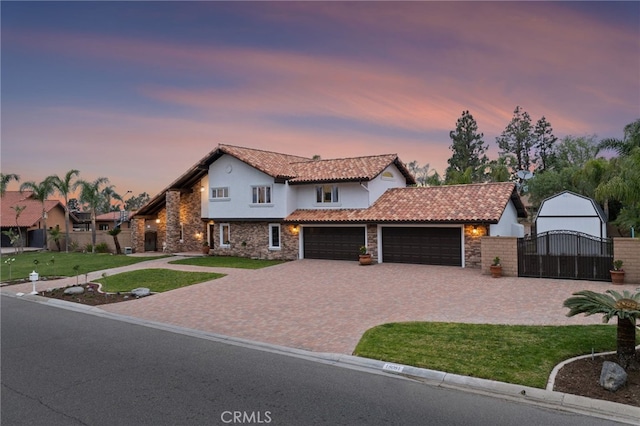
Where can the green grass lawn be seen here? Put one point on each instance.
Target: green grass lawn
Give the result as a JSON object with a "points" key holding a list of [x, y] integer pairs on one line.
{"points": [[514, 354], [51, 264], [228, 262], [156, 280]]}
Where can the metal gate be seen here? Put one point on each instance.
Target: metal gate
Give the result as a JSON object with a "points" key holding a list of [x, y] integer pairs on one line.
{"points": [[565, 254]]}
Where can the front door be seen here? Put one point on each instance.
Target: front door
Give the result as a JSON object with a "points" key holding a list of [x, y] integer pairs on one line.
{"points": [[150, 241]]}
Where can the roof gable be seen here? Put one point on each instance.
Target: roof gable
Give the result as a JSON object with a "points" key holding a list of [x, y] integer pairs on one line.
{"points": [[596, 207], [30, 215]]}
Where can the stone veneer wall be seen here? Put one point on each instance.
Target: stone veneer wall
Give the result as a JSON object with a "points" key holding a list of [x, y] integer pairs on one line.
{"points": [[473, 246], [628, 250], [137, 235], [251, 239], [372, 241], [506, 248], [190, 215]]}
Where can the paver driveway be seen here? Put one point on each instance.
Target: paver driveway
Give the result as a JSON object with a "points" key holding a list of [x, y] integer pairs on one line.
{"points": [[326, 306]]}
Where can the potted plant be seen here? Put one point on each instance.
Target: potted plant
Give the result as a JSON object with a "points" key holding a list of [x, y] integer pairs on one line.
{"points": [[205, 247], [617, 273], [365, 256], [496, 268]]}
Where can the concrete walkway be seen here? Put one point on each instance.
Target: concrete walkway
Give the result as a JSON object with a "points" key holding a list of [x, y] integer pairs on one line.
{"points": [[326, 306]]}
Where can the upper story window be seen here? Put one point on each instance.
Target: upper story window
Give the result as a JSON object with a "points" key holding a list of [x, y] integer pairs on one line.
{"points": [[326, 194], [222, 192], [261, 195]]}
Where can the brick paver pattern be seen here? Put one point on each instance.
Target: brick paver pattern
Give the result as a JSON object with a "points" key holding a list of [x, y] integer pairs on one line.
{"points": [[326, 306]]}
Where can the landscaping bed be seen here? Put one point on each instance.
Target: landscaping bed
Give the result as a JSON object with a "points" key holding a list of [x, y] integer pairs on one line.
{"points": [[91, 295]]}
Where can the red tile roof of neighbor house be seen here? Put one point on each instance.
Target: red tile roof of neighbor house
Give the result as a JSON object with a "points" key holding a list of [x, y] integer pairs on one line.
{"points": [[436, 204], [30, 215]]}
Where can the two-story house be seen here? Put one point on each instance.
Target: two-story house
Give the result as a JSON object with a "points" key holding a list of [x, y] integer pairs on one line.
{"points": [[255, 203]]}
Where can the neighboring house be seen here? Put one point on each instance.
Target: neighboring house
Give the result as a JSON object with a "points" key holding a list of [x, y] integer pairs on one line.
{"points": [[108, 221], [30, 220], [256, 203], [568, 211]]}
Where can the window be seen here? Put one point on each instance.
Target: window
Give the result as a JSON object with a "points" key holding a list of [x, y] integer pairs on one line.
{"points": [[274, 235], [103, 227], [327, 194], [220, 192], [225, 235], [261, 195]]}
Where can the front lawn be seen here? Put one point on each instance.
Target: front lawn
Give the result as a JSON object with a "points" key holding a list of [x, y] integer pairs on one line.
{"points": [[156, 280], [228, 262], [514, 354], [56, 264]]}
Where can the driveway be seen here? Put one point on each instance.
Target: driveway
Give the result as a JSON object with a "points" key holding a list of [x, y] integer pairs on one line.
{"points": [[326, 306]]}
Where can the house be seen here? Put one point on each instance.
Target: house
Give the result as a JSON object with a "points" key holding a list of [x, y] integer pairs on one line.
{"points": [[255, 203], [110, 220], [30, 220], [568, 211]]}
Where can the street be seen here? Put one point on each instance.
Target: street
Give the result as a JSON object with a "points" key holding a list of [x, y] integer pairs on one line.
{"points": [[61, 367]]}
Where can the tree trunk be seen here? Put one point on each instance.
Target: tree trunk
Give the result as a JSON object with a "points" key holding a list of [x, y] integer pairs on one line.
{"points": [[66, 226], [117, 244], [44, 224], [93, 231], [626, 344]]}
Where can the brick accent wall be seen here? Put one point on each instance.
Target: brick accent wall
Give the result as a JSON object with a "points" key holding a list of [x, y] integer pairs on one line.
{"points": [[251, 239], [628, 250], [506, 248]]}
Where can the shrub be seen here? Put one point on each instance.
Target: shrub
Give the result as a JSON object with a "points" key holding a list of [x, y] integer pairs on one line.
{"points": [[102, 248]]}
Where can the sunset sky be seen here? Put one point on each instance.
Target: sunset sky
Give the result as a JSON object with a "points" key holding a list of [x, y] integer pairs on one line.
{"points": [[140, 91]]}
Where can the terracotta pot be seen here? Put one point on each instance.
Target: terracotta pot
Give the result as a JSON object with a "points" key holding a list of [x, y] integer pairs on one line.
{"points": [[496, 271], [205, 249], [365, 259], [617, 277]]}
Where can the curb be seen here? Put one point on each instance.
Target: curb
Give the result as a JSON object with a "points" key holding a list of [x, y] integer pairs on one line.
{"points": [[524, 394]]}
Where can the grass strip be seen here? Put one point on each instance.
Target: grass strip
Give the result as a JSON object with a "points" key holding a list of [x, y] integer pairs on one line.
{"points": [[507, 353], [227, 262], [156, 280]]}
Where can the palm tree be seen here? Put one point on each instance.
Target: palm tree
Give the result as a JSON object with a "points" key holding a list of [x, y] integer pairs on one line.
{"points": [[5, 179], [91, 194], [114, 233], [629, 141], [41, 192], [64, 187], [625, 306]]}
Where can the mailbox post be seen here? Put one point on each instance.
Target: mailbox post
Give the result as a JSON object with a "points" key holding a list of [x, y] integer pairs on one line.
{"points": [[34, 278]]}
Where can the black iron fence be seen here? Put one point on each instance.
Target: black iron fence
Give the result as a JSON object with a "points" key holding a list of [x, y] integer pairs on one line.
{"points": [[565, 254]]}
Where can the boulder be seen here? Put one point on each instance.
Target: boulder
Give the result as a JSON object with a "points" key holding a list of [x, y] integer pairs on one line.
{"points": [[612, 376], [74, 290], [140, 292]]}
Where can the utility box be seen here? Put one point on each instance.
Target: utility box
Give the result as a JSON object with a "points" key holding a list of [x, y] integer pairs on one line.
{"points": [[128, 250]]}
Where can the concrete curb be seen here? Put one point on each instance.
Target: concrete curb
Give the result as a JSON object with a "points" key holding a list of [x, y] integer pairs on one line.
{"points": [[524, 394]]}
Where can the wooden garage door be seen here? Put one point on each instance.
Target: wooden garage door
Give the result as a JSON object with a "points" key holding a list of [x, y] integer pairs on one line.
{"points": [[333, 242], [429, 246]]}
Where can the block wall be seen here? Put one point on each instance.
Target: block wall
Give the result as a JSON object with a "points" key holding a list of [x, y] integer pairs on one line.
{"points": [[628, 250], [506, 248]]}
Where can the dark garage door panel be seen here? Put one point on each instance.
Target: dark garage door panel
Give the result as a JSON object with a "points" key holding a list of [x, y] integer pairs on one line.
{"points": [[429, 246], [333, 242]]}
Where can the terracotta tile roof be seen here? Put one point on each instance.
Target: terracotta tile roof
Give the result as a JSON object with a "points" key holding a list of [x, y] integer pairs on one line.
{"points": [[30, 215], [435, 204], [111, 216], [272, 163], [342, 169]]}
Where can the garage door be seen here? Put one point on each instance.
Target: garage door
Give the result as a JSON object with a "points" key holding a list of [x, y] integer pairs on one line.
{"points": [[333, 242], [429, 246]]}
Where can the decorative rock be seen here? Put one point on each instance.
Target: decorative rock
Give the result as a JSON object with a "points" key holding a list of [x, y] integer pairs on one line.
{"points": [[140, 292], [612, 376], [74, 290]]}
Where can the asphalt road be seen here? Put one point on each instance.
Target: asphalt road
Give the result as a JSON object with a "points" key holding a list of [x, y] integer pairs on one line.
{"points": [[61, 367]]}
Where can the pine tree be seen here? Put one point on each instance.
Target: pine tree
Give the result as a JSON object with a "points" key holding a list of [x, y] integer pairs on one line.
{"points": [[468, 151], [517, 139], [543, 143]]}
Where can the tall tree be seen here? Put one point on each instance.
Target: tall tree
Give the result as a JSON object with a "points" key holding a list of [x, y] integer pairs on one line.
{"points": [[517, 139], [5, 180], [574, 151], [422, 174], [136, 202], [468, 151], [91, 194], [108, 194], [630, 140], [41, 191], [65, 187], [543, 142]]}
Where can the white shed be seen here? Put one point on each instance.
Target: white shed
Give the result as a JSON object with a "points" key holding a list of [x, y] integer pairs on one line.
{"points": [[572, 212]]}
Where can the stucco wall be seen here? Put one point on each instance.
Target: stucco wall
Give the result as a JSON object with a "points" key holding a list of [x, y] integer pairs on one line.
{"points": [[506, 248]]}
